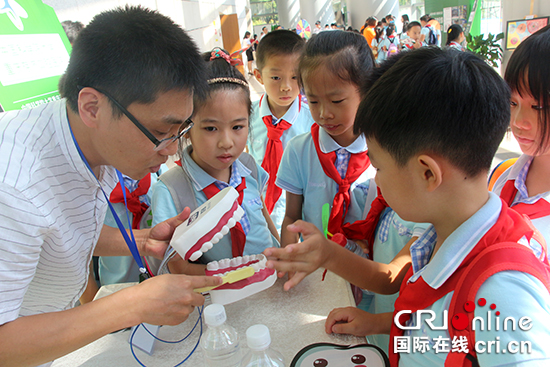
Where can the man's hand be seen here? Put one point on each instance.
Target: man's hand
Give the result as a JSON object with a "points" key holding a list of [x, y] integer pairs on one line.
{"points": [[156, 240], [169, 299]]}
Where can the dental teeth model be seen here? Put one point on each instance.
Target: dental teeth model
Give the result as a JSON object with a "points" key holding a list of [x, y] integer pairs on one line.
{"points": [[204, 228], [263, 278], [207, 224]]}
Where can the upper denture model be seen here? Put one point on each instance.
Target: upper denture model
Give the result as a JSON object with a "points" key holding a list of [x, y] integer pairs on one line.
{"points": [[204, 228]]}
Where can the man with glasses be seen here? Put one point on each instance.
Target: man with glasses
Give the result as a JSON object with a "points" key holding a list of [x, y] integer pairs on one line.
{"points": [[127, 91]]}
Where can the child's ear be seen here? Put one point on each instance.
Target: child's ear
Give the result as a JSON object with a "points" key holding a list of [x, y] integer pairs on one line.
{"points": [[89, 102], [258, 76], [430, 171]]}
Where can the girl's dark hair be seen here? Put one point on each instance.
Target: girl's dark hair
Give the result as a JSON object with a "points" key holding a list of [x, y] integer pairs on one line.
{"points": [[247, 33], [453, 33], [405, 25], [221, 75], [390, 30], [345, 54], [528, 73], [378, 33]]}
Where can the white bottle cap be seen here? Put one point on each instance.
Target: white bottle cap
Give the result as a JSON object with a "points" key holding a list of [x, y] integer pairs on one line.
{"points": [[214, 315], [257, 337]]}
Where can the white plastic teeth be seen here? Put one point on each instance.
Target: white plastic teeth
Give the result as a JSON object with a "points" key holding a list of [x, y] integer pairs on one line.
{"points": [[238, 261], [237, 215]]}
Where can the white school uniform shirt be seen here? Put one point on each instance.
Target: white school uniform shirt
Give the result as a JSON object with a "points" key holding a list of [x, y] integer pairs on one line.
{"points": [[258, 236], [299, 116], [52, 212], [378, 45], [301, 173], [518, 172], [515, 294]]}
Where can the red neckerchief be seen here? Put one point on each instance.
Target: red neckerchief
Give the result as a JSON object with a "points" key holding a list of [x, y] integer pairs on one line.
{"points": [[272, 158], [364, 229], [238, 237], [510, 227], [540, 208], [358, 163], [135, 206]]}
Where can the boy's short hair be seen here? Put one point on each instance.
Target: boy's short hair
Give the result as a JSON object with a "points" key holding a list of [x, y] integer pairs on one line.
{"points": [[134, 54], [412, 24], [454, 106], [278, 43], [72, 29], [425, 18]]}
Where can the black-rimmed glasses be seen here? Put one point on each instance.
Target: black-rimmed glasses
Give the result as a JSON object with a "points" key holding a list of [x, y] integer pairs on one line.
{"points": [[159, 144]]}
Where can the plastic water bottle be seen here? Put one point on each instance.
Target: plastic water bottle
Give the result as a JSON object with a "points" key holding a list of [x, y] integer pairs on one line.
{"points": [[220, 343], [260, 354]]}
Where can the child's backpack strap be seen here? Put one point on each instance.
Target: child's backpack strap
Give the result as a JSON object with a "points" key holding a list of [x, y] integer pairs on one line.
{"points": [[499, 170], [180, 187], [499, 257], [249, 163]]}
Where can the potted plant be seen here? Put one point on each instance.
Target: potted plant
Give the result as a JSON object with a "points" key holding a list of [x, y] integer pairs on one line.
{"points": [[487, 48]]}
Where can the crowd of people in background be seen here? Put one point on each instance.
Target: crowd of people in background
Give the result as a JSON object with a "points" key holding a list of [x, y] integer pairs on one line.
{"points": [[385, 40]]}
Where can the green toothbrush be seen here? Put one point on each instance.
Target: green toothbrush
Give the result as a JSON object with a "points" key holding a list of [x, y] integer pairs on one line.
{"points": [[325, 214]]}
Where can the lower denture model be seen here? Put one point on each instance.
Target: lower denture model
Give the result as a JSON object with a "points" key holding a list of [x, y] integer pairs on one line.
{"points": [[204, 228]]}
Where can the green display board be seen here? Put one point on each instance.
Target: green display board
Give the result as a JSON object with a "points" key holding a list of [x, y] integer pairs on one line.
{"points": [[34, 52], [435, 9]]}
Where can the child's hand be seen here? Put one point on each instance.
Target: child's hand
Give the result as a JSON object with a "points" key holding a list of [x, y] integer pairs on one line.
{"points": [[301, 258], [350, 320], [363, 244]]}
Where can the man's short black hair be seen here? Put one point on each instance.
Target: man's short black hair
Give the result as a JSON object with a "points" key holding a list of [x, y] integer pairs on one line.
{"points": [[452, 104], [277, 43], [134, 54]]}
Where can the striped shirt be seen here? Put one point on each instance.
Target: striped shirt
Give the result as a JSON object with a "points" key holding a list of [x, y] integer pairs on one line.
{"points": [[51, 212]]}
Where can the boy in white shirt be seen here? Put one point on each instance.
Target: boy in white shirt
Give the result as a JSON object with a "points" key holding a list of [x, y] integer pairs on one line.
{"points": [[279, 115]]}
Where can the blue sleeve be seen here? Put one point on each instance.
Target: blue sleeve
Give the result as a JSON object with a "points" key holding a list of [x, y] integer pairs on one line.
{"points": [[162, 205], [263, 177], [517, 295], [288, 176]]}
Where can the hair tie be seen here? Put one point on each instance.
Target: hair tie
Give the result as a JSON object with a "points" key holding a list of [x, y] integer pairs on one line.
{"points": [[227, 80], [217, 53]]}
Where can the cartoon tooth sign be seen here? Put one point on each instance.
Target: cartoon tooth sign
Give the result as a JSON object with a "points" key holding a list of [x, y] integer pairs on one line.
{"points": [[334, 355], [15, 12]]}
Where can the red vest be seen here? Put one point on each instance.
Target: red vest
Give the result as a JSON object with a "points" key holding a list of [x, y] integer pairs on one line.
{"points": [[509, 228]]}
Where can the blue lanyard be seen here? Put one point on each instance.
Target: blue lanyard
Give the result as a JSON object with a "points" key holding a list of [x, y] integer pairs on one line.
{"points": [[131, 242]]}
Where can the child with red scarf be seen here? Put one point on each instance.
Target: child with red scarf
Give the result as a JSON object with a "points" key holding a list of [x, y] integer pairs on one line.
{"points": [[431, 166]]}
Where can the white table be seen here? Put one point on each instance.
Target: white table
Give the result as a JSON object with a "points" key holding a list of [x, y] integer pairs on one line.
{"points": [[295, 319]]}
